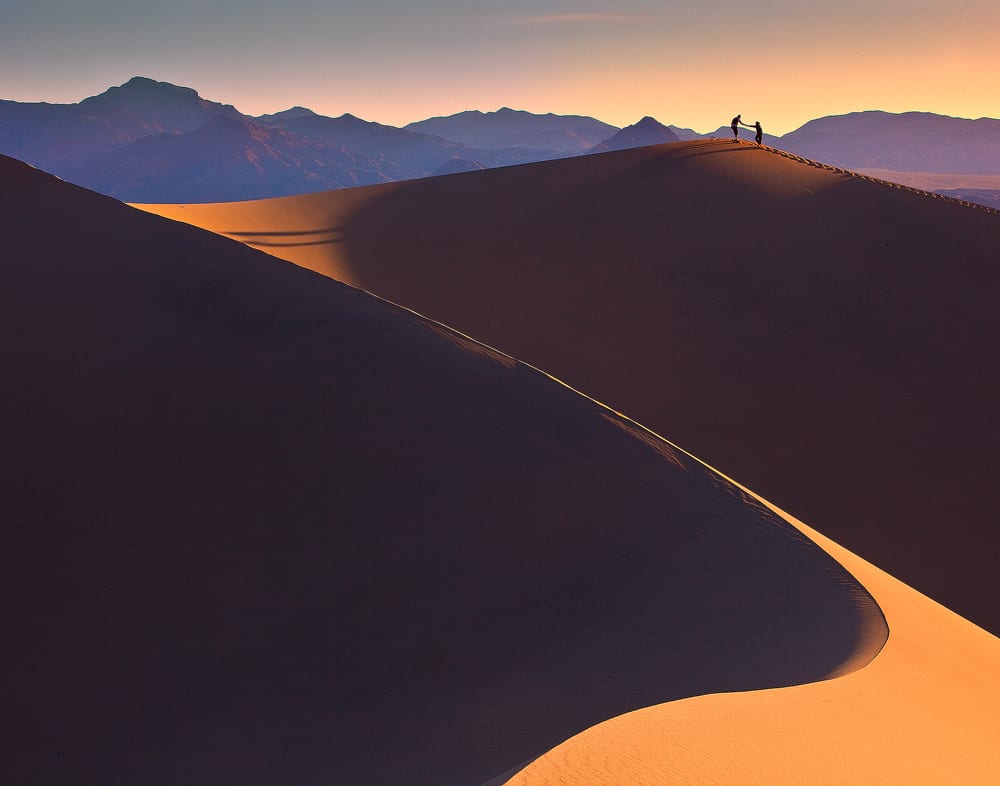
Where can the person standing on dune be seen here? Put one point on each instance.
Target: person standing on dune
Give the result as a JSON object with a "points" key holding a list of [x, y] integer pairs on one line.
{"points": [[735, 125], [760, 131]]}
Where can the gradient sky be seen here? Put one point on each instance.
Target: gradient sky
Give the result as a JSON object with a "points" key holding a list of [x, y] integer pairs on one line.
{"points": [[693, 64]]}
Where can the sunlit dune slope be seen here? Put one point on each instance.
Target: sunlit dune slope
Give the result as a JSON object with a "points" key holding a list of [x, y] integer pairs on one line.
{"points": [[925, 711], [829, 340], [262, 528]]}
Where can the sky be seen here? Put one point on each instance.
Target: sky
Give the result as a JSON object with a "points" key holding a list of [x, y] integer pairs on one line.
{"points": [[690, 64]]}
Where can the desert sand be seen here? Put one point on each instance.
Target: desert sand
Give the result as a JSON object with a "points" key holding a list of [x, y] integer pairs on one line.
{"points": [[925, 711], [827, 339], [263, 528]]}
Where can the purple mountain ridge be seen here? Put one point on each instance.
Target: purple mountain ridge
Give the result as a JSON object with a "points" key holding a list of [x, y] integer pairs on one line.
{"points": [[155, 107], [458, 165], [149, 141], [227, 158], [57, 137], [647, 131], [293, 113], [153, 141], [406, 154], [508, 128], [911, 141]]}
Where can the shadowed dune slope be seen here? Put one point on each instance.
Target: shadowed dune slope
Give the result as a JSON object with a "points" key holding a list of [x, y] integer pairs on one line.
{"points": [[262, 528], [829, 340], [925, 711]]}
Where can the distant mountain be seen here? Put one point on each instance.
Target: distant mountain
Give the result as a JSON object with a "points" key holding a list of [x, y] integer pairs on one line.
{"points": [[507, 128], [227, 159], [646, 132], [149, 141], [917, 141], [145, 106], [288, 114], [154, 141], [403, 154], [56, 137], [685, 134], [457, 165]]}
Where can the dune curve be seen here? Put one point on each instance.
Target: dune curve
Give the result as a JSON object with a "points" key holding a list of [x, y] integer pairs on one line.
{"points": [[824, 337], [263, 528], [924, 711]]}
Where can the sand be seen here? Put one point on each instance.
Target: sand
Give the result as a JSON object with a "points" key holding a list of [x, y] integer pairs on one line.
{"points": [[263, 528], [925, 711], [826, 339]]}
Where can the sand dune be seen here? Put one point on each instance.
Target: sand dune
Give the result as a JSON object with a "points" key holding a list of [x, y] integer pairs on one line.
{"points": [[261, 528], [925, 711], [827, 339]]}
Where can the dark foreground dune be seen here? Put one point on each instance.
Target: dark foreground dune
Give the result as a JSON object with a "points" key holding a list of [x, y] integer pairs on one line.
{"points": [[261, 528], [829, 341]]}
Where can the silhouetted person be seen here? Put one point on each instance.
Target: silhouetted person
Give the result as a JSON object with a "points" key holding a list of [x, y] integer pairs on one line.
{"points": [[735, 125], [760, 131]]}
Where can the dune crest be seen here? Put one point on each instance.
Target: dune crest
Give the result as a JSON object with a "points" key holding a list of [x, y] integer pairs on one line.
{"points": [[824, 337], [924, 711], [264, 528]]}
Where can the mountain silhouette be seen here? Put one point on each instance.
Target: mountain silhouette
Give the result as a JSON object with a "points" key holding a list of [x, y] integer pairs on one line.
{"points": [[157, 106], [149, 141], [227, 158], [911, 141], [58, 137], [287, 114], [456, 165], [91, 143], [403, 154], [647, 131], [516, 128]]}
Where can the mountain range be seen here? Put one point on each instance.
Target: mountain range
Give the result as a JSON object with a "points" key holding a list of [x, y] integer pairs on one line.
{"points": [[516, 128], [150, 141], [912, 141], [647, 131], [849, 315], [154, 141]]}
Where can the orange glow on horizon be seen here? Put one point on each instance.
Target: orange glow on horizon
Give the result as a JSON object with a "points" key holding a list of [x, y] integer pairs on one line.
{"points": [[684, 67]]}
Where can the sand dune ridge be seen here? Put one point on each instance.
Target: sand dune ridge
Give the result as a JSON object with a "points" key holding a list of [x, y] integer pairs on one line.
{"points": [[823, 337], [264, 528]]}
